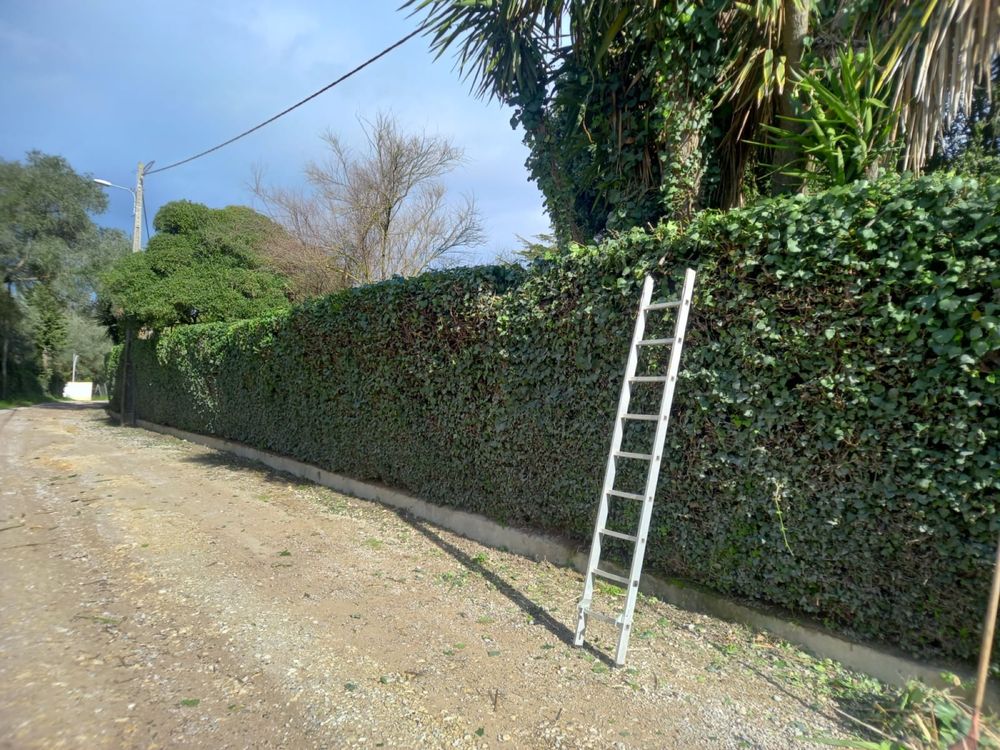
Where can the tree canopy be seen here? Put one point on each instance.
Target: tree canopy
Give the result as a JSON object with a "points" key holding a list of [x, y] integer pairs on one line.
{"points": [[203, 265], [634, 112], [50, 254], [45, 219]]}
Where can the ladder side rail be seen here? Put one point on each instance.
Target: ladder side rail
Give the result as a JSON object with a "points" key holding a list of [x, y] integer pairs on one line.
{"points": [[639, 550], [609, 471]]}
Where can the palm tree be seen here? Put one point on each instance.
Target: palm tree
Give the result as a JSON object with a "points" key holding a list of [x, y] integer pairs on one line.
{"points": [[931, 55]]}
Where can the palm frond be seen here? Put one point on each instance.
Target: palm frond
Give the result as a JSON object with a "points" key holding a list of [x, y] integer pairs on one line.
{"points": [[937, 54], [749, 83], [498, 43], [511, 48]]}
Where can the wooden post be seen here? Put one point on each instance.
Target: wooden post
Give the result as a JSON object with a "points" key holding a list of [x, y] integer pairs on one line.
{"points": [[989, 627], [126, 353]]}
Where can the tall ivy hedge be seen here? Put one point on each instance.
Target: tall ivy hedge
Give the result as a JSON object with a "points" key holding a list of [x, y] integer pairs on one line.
{"points": [[835, 438]]}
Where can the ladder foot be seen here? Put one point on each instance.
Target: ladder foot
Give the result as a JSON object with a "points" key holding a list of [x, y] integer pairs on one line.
{"points": [[581, 626]]}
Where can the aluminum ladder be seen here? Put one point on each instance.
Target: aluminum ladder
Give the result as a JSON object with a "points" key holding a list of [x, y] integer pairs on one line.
{"points": [[608, 491]]}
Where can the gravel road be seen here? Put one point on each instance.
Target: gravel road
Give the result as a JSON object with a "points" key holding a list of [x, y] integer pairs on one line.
{"points": [[158, 594]]}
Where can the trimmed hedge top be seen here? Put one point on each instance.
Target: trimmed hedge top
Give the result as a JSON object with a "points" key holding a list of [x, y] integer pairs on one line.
{"points": [[834, 444]]}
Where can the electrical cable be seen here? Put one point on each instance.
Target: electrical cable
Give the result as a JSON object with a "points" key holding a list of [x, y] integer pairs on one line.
{"points": [[146, 220], [298, 104]]}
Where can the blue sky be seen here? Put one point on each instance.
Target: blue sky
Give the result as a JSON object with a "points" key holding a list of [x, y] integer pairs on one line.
{"points": [[107, 83]]}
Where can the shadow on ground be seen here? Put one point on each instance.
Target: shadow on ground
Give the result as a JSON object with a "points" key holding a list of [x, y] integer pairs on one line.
{"points": [[534, 610], [516, 596], [217, 459]]}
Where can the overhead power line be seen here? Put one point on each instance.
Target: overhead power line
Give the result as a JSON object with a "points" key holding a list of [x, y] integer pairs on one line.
{"points": [[298, 104]]}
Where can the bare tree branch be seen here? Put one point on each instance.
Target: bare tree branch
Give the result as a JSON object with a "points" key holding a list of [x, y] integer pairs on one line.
{"points": [[377, 214]]}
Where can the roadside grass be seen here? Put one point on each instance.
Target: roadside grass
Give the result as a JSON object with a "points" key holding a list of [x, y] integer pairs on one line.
{"points": [[915, 717], [912, 717], [13, 403]]}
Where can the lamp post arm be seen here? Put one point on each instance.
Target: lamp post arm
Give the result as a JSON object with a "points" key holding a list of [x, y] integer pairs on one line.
{"points": [[105, 183]]}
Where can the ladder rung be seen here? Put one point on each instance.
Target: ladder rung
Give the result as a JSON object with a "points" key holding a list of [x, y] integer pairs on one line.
{"points": [[626, 495], [619, 535], [663, 305], [609, 576], [643, 417], [640, 456], [655, 342], [602, 617], [648, 379]]}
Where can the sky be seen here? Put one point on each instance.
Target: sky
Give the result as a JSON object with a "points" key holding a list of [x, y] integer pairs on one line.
{"points": [[107, 83]]}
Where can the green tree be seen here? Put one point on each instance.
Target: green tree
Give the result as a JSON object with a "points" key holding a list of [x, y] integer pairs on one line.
{"points": [[45, 218], [47, 322], [18, 370], [88, 340], [50, 251], [203, 265]]}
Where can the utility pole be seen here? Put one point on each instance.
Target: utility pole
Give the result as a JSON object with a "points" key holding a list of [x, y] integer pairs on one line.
{"points": [[136, 205], [126, 365], [137, 213]]}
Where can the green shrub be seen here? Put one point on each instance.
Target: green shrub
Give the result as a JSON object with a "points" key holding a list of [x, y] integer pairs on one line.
{"points": [[834, 444], [203, 265]]}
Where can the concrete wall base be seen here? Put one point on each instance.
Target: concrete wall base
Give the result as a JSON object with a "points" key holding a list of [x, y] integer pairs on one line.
{"points": [[884, 664]]}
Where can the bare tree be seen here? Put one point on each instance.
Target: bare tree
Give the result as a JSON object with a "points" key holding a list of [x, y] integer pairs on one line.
{"points": [[311, 270], [380, 213]]}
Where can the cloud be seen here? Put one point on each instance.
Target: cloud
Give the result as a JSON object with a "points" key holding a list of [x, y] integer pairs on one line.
{"points": [[23, 46], [292, 37], [279, 29]]}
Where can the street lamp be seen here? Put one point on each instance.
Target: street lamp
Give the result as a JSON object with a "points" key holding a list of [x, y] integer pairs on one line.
{"points": [[120, 187], [136, 204], [111, 184]]}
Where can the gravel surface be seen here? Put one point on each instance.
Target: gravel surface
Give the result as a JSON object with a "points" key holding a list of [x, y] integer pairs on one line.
{"points": [[159, 594]]}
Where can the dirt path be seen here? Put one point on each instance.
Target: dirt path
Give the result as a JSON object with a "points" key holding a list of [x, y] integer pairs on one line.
{"points": [[158, 594]]}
